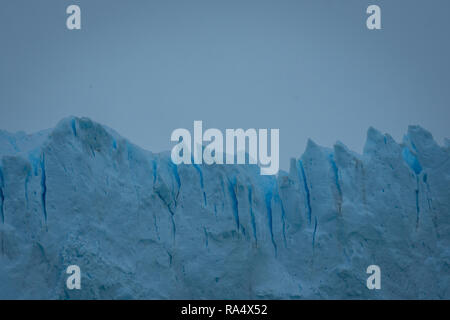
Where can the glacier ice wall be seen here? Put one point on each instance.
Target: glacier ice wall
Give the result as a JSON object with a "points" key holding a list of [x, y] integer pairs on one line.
{"points": [[140, 227]]}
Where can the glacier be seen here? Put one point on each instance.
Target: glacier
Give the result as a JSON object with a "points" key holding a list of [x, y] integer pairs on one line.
{"points": [[140, 227]]}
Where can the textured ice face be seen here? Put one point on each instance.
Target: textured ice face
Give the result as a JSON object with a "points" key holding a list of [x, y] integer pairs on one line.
{"points": [[141, 227]]}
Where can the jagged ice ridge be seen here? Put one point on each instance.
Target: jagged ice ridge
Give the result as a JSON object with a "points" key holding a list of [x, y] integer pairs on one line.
{"points": [[141, 227]]}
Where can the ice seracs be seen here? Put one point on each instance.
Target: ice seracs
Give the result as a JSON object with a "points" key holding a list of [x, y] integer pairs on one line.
{"points": [[141, 227]]}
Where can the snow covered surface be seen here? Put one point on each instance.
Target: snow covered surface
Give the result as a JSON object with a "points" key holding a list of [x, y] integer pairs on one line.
{"points": [[140, 227]]}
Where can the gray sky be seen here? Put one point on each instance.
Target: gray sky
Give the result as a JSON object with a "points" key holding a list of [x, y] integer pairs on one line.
{"points": [[310, 68]]}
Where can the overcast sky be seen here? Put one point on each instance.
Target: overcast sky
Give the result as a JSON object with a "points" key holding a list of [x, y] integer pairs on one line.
{"points": [[310, 68]]}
